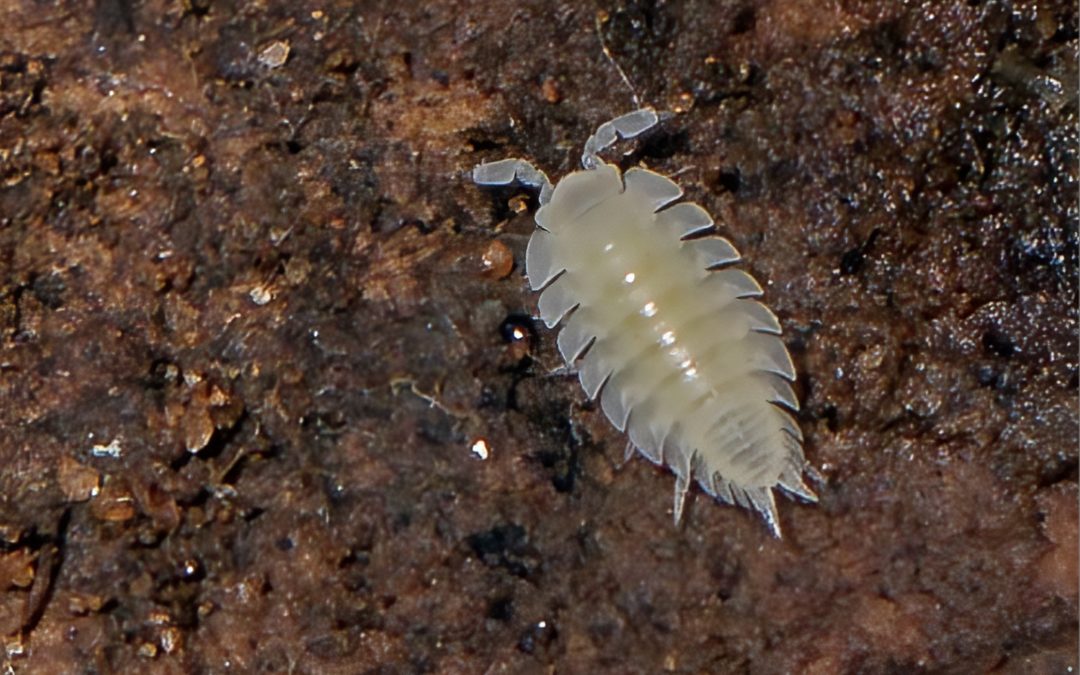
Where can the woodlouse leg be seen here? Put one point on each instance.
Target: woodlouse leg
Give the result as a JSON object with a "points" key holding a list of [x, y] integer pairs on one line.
{"points": [[793, 484], [560, 371], [513, 170], [623, 127], [801, 488]]}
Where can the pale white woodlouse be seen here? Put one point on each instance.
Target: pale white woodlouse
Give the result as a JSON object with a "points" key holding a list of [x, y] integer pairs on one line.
{"points": [[661, 327]]}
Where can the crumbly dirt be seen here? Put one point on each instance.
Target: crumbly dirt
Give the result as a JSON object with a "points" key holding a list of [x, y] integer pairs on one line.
{"points": [[271, 400]]}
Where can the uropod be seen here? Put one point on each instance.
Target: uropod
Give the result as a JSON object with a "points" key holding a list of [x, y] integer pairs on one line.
{"points": [[661, 327]]}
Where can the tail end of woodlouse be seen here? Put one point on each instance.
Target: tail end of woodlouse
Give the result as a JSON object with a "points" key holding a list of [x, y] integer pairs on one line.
{"points": [[682, 486], [764, 502], [682, 465]]}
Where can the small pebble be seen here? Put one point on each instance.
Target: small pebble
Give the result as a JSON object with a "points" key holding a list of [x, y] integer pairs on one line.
{"points": [[77, 482], [550, 89], [113, 504], [497, 260], [481, 449], [274, 54]]}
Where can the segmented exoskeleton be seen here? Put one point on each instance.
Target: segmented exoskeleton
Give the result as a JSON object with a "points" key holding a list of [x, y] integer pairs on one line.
{"points": [[660, 325]]}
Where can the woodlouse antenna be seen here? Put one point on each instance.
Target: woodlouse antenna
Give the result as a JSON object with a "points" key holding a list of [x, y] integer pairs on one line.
{"points": [[601, 18], [630, 125]]}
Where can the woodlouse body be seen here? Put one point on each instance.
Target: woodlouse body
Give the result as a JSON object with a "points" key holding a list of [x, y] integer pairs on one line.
{"points": [[661, 327]]}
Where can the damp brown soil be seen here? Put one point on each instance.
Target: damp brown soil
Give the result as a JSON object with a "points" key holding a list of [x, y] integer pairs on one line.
{"points": [[271, 400]]}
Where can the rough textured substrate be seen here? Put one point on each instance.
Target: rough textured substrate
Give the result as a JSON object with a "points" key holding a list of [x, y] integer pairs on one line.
{"points": [[253, 320]]}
